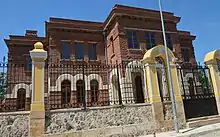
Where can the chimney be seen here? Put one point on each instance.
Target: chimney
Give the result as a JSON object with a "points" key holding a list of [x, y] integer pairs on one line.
{"points": [[32, 33]]}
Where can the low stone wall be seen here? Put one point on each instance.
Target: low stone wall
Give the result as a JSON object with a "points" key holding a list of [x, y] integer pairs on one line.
{"points": [[111, 117], [14, 124]]}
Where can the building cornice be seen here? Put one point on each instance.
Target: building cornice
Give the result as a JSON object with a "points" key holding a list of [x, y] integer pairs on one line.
{"points": [[119, 10], [150, 30]]}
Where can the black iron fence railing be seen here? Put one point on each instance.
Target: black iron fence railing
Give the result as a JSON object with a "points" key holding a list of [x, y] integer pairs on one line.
{"points": [[15, 87], [195, 81], [81, 85], [90, 85], [197, 92]]}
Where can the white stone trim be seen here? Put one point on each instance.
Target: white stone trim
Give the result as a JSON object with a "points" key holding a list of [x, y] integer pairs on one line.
{"points": [[16, 113], [113, 92], [79, 77], [16, 88], [188, 75], [38, 55], [39, 63], [150, 81], [42, 84], [92, 42], [95, 77], [145, 85], [32, 85], [72, 79], [60, 79]]}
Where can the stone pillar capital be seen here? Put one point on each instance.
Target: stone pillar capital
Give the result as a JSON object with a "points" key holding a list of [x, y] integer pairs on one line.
{"points": [[38, 54]]}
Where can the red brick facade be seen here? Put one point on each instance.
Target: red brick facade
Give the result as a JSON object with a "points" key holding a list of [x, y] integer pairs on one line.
{"points": [[114, 29]]}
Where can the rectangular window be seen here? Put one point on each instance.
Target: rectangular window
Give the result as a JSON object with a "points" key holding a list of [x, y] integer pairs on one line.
{"points": [[169, 42], [79, 51], [150, 39], [65, 50], [92, 52], [185, 55], [132, 40]]}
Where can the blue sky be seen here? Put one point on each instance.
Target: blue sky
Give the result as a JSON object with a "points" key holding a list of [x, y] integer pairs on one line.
{"points": [[201, 17]]}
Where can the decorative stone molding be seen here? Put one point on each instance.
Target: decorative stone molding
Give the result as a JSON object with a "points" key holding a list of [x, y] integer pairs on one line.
{"points": [[95, 77], [20, 86], [74, 79]]}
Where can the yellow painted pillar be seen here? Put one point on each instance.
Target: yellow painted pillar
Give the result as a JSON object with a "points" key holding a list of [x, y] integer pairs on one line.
{"points": [[153, 91], [178, 97], [211, 61], [160, 107], [37, 113]]}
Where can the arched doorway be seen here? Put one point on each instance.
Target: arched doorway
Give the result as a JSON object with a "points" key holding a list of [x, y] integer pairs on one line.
{"points": [[94, 91], [139, 97], [79, 93], [66, 92], [162, 79], [21, 99], [114, 95], [191, 87]]}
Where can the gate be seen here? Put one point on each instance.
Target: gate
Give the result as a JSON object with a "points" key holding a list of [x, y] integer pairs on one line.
{"points": [[197, 92]]}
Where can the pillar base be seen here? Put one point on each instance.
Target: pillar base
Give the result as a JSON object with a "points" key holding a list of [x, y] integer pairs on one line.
{"points": [[158, 115], [37, 124], [181, 115]]}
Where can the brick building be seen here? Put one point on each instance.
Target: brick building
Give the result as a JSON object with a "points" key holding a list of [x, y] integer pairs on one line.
{"points": [[123, 37]]}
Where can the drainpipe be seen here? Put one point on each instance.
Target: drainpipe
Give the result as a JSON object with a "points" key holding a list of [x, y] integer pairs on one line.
{"points": [[106, 57]]}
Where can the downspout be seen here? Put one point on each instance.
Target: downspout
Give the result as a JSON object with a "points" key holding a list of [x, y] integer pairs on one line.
{"points": [[106, 57]]}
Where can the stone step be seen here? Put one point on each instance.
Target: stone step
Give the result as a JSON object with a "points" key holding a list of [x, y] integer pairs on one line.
{"points": [[202, 121]]}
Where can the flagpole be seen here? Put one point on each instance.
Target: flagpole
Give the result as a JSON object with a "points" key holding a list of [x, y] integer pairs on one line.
{"points": [[169, 72]]}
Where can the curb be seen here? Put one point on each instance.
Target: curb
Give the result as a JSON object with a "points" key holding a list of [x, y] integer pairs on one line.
{"points": [[199, 133]]}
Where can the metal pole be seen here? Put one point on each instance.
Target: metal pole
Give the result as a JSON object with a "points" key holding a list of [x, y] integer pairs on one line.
{"points": [[169, 72]]}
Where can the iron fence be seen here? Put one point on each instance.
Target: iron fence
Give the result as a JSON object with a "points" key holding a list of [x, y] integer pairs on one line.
{"points": [[196, 82], [197, 92], [74, 85], [89, 85], [15, 86]]}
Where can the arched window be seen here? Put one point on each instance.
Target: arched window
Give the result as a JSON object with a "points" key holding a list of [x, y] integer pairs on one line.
{"points": [[115, 82], [94, 91], [80, 89], [66, 92], [139, 90], [21, 98]]}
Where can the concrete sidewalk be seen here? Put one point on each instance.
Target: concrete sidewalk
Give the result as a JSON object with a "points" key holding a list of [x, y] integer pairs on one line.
{"points": [[191, 132]]}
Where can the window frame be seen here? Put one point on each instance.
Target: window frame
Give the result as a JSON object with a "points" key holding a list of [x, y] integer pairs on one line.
{"points": [[94, 89], [79, 45], [150, 39], [168, 40], [80, 88], [92, 51], [132, 39], [66, 84], [185, 52], [66, 51], [21, 96]]}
